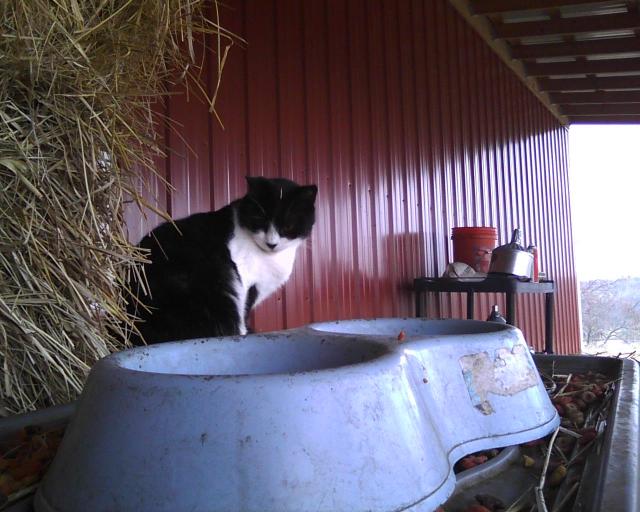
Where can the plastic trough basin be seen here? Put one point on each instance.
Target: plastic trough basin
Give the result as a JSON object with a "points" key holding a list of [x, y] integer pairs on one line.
{"points": [[334, 416]]}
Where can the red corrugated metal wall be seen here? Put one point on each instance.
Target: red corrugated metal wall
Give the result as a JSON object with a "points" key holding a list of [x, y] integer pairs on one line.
{"points": [[408, 123]]}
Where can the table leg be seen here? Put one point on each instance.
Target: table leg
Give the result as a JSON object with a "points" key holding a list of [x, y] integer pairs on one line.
{"points": [[511, 308], [470, 305], [548, 322]]}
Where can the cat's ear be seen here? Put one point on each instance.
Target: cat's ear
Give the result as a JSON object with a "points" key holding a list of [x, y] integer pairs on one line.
{"points": [[256, 185], [308, 193]]}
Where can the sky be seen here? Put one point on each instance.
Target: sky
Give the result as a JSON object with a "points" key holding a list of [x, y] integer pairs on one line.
{"points": [[604, 169]]}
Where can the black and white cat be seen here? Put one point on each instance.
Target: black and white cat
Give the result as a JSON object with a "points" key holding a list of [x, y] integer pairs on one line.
{"points": [[207, 271]]}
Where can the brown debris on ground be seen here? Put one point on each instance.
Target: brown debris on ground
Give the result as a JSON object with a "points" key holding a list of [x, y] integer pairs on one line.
{"points": [[558, 460]]}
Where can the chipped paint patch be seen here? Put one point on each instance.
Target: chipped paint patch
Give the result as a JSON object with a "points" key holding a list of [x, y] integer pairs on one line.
{"points": [[508, 373]]}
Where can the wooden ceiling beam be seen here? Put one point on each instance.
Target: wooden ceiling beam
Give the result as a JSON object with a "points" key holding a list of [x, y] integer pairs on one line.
{"points": [[604, 120], [484, 28], [622, 109], [567, 26], [592, 99], [584, 67], [499, 6], [566, 98], [576, 48], [588, 84]]}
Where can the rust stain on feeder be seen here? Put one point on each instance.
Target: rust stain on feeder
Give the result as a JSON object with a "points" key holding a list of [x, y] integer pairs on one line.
{"points": [[508, 373]]}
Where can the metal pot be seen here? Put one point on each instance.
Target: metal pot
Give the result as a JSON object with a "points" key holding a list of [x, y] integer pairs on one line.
{"points": [[512, 258]]}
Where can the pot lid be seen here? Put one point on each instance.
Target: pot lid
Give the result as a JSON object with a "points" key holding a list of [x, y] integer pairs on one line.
{"points": [[514, 245]]}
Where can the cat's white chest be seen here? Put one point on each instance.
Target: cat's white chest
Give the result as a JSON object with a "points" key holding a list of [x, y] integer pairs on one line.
{"points": [[266, 271]]}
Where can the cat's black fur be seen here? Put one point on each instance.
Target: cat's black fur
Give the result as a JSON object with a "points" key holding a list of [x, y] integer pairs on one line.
{"points": [[192, 278]]}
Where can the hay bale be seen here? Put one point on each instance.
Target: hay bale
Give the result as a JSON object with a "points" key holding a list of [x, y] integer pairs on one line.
{"points": [[76, 133]]}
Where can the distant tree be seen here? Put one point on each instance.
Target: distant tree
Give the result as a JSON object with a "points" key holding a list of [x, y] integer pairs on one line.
{"points": [[610, 310]]}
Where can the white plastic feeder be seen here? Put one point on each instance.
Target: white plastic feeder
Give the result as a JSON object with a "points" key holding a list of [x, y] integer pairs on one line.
{"points": [[334, 416]]}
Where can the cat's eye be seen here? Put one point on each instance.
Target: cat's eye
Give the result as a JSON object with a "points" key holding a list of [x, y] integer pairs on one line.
{"points": [[288, 227]]}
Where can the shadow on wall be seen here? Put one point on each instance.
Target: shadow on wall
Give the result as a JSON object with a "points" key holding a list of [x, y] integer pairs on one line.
{"points": [[378, 284]]}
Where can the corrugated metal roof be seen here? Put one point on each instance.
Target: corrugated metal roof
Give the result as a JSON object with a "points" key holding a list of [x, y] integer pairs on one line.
{"points": [[596, 45]]}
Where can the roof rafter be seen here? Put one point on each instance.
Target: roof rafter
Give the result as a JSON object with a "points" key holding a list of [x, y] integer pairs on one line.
{"points": [[567, 98], [589, 83], [583, 67], [576, 48], [562, 26], [612, 119], [622, 109], [499, 6]]}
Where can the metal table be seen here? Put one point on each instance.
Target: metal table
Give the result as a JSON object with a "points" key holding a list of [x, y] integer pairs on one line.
{"points": [[507, 285]]}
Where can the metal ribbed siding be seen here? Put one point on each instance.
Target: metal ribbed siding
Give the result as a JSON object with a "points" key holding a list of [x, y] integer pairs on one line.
{"points": [[409, 125]]}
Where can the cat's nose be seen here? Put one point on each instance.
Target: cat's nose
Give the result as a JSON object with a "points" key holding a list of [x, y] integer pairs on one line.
{"points": [[271, 246]]}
